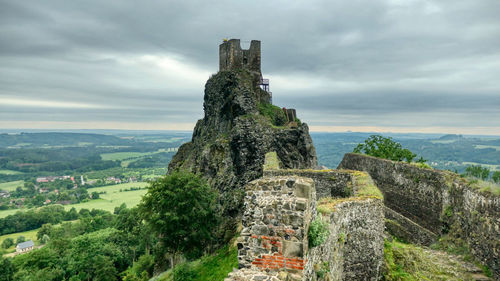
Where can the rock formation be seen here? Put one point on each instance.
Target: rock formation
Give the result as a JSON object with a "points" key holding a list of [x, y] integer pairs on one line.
{"points": [[239, 127]]}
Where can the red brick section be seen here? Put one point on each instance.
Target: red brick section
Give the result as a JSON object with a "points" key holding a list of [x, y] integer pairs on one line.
{"points": [[276, 260]]}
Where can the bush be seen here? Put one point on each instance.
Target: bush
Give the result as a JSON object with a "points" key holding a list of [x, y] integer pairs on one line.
{"points": [[20, 239], [381, 147], [7, 243], [318, 232], [273, 113], [184, 272]]}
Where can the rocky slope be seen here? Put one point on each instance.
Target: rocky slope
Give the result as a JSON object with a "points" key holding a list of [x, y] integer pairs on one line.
{"points": [[240, 126]]}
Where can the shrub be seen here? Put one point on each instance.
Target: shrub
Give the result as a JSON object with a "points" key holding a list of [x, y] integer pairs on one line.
{"points": [[273, 113], [7, 243], [318, 232]]}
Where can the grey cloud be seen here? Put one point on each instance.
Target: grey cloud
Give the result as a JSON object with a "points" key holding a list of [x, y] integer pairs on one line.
{"points": [[432, 57]]}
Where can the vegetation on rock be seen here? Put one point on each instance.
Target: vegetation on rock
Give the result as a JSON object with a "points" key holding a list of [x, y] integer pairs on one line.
{"points": [[273, 113], [318, 232]]}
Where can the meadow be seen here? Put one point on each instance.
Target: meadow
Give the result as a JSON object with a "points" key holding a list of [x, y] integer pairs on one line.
{"points": [[107, 201], [11, 185], [10, 172], [113, 197]]}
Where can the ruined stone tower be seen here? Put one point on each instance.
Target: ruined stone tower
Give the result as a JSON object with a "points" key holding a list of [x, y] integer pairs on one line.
{"points": [[232, 57]]}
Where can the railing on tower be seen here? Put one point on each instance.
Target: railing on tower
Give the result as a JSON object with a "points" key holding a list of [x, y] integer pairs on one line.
{"points": [[264, 84]]}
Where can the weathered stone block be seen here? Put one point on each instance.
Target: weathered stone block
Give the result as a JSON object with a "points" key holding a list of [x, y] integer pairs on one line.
{"points": [[293, 249]]}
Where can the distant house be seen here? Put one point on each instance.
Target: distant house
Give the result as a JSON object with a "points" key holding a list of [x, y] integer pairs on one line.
{"points": [[25, 246]]}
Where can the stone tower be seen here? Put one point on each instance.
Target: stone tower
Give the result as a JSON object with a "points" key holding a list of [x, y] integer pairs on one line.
{"points": [[231, 56]]}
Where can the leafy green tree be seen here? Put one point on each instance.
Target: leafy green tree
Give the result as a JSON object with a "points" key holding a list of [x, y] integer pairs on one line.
{"points": [[45, 238], [181, 209], [496, 176], [20, 239], [6, 269], [95, 195], [46, 229], [477, 172], [7, 243], [382, 147]]}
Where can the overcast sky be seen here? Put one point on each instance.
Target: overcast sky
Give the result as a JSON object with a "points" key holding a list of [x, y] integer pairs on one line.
{"points": [[393, 65]]}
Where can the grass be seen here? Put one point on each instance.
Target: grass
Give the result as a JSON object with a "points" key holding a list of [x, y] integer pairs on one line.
{"points": [[113, 197], [407, 262], [365, 189], [119, 156], [108, 201], [208, 268], [365, 185], [271, 161], [10, 172], [11, 185], [484, 186], [29, 235]]}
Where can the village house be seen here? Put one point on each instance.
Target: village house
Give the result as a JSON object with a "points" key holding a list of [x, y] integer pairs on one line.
{"points": [[25, 247]]}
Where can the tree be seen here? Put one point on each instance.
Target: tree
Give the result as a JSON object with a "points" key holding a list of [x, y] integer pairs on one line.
{"points": [[20, 239], [45, 239], [7, 243], [95, 195], [181, 209], [496, 176], [381, 147], [6, 269], [477, 172]]}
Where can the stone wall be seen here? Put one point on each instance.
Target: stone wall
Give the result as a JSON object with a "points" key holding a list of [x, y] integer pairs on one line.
{"points": [[328, 183], [439, 201], [278, 211], [406, 230], [354, 249], [276, 218]]}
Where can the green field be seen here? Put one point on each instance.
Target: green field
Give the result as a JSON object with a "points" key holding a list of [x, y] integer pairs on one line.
{"points": [[11, 185], [113, 197], [479, 146], [108, 201], [9, 172], [29, 235], [118, 156]]}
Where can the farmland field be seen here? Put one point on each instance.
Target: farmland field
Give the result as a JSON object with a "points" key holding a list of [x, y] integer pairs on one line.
{"points": [[11, 185], [112, 198], [9, 172], [118, 156], [108, 201], [479, 146]]}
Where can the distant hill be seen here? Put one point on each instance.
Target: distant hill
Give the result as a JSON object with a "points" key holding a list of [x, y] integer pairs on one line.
{"points": [[451, 137], [33, 140]]}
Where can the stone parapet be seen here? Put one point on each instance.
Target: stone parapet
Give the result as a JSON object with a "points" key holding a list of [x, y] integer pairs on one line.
{"points": [[439, 201]]}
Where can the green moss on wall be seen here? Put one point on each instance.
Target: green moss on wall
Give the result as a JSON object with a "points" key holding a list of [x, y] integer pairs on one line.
{"points": [[271, 161]]}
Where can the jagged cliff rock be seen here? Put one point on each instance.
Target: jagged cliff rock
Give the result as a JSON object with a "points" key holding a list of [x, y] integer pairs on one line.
{"points": [[240, 126]]}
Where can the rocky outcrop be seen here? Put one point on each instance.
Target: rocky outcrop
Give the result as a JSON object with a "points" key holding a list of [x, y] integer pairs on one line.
{"points": [[229, 144], [441, 202]]}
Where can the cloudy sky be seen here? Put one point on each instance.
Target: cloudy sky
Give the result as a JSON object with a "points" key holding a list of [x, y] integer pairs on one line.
{"points": [[392, 65]]}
